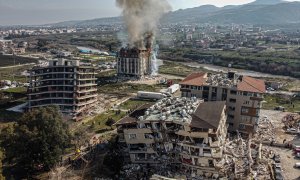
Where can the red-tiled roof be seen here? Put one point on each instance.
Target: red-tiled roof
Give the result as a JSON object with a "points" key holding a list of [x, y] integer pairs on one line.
{"points": [[250, 84], [195, 79]]}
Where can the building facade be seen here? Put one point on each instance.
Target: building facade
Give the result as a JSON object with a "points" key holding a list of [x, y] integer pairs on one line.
{"points": [[64, 83], [187, 134], [243, 96], [134, 62]]}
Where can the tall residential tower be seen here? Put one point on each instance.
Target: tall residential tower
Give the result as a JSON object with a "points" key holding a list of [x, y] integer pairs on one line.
{"points": [[63, 83]]}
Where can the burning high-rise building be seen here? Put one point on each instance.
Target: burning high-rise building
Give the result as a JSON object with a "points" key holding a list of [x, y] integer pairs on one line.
{"points": [[134, 62], [141, 18]]}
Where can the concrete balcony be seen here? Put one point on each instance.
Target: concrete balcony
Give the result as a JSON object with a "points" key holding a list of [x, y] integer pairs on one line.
{"points": [[87, 103], [86, 85], [50, 98], [87, 96], [87, 79], [87, 91]]}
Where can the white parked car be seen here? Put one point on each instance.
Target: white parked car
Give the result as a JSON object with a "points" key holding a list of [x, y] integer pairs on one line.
{"points": [[297, 165], [292, 131]]}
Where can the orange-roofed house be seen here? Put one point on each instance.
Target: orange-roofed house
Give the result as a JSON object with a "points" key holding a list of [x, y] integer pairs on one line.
{"points": [[243, 96]]}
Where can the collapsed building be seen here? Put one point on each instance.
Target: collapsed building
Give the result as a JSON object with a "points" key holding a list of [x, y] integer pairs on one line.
{"points": [[64, 83], [186, 134], [243, 96]]}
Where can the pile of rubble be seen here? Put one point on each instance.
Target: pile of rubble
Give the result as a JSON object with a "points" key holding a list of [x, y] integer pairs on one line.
{"points": [[172, 109], [291, 121], [143, 171], [265, 131], [244, 159], [220, 80]]}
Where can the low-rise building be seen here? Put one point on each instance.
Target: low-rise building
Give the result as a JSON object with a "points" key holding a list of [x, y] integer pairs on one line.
{"points": [[243, 96], [185, 133], [64, 83]]}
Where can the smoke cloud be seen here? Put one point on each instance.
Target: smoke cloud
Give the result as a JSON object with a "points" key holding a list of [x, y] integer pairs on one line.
{"points": [[141, 19]]}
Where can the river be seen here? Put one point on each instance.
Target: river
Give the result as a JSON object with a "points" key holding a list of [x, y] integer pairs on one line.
{"points": [[244, 72]]}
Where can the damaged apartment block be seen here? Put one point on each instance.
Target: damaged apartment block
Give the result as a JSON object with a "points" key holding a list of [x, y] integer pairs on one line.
{"points": [[134, 62], [64, 83], [186, 134], [243, 96]]}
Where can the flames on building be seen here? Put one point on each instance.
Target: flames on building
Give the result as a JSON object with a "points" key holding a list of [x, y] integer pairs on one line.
{"points": [[136, 60], [141, 18]]}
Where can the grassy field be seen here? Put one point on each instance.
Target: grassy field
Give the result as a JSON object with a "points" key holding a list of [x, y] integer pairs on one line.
{"points": [[273, 101], [274, 62], [177, 69], [11, 60], [21, 90], [14, 73], [134, 103], [97, 58], [109, 73], [125, 88], [98, 124]]}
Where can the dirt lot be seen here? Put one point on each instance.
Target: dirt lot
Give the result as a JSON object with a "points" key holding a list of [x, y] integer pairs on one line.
{"points": [[288, 160], [276, 119]]}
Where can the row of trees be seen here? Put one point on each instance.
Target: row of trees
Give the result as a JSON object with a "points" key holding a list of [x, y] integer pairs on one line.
{"points": [[36, 142]]}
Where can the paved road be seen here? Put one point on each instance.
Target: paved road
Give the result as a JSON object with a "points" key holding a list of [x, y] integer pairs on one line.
{"points": [[240, 71], [20, 65], [282, 92]]}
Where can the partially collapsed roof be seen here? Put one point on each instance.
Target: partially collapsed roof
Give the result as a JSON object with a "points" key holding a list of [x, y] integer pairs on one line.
{"points": [[195, 79], [197, 113], [208, 115], [241, 83]]}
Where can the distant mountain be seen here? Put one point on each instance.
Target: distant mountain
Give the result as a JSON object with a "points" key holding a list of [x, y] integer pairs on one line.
{"points": [[253, 13], [92, 22], [190, 14], [268, 12], [266, 2]]}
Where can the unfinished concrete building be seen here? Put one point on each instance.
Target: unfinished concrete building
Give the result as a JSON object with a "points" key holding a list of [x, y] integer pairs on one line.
{"points": [[64, 83], [134, 62], [243, 96], [186, 134]]}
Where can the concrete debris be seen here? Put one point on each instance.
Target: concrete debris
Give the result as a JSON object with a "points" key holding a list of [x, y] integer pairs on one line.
{"points": [[143, 171], [291, 121], [245, 159], [265, 131], [172, 109], [220, 80]]}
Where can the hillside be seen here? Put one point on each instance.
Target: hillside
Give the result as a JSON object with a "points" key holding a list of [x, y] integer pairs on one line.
{"points": [[266, 2], [253, 13], [268, 12]]}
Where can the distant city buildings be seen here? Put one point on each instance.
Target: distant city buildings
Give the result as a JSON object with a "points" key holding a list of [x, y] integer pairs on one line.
{"points": [[64, 83], [9, 47], [243, 96]]}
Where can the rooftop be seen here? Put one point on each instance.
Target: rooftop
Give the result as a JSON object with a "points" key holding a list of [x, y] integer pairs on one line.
{"points": [[192, 111], [230, 80], [208, 115], [172, 109]]}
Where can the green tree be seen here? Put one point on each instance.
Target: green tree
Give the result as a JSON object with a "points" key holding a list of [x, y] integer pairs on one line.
{"points": [[1, 165], [37, 141], [110, 122]]}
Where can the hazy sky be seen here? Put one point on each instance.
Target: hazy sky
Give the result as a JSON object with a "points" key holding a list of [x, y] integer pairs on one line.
{"points": [[50, 11]]}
